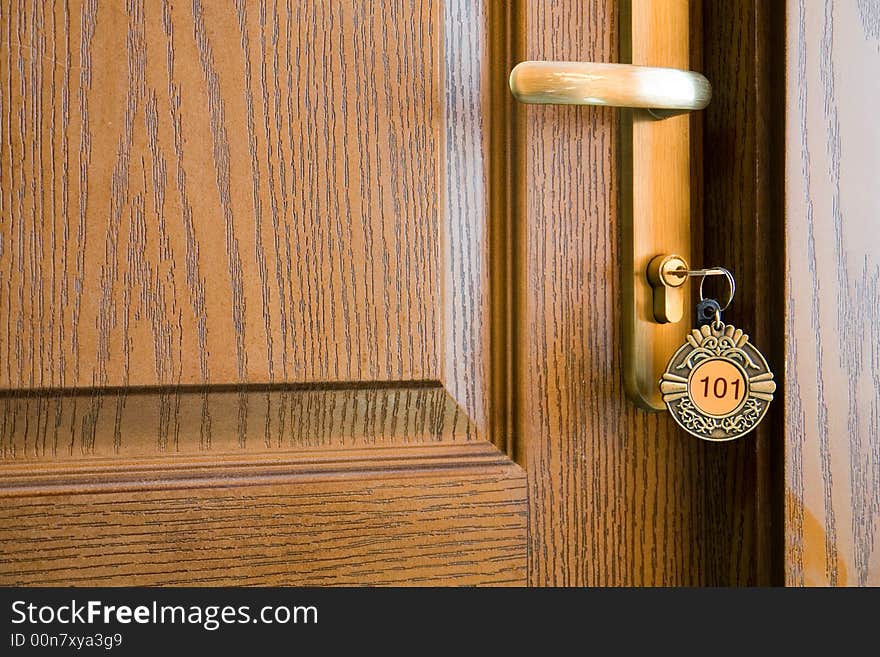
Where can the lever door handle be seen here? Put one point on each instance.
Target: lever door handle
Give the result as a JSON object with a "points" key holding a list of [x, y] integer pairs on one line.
{"points": [[665, 91], [655, 179]]}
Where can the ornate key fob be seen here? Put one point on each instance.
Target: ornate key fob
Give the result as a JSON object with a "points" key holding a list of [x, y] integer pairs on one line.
{"points": [[717, 385]]}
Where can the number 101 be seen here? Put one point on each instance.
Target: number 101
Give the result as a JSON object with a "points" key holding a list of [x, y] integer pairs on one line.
{"points": [[720, 387]]}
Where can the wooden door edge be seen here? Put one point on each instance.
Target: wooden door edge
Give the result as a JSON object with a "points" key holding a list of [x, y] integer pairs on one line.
{"points": [[743, 54]]}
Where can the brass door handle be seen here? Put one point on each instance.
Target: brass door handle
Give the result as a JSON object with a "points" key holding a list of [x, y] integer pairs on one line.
{"points": [[665, 91], [654, 181]]}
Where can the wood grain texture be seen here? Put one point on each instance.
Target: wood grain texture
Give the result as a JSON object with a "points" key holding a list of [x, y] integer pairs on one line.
{"points": [[832, 458], [244, 274], [239, 211], [617, 495], [329, 178], [429, 522], [264, 193], [174, 422]]}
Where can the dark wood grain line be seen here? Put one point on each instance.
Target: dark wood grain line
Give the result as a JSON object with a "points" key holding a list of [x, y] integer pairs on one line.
{"points": [[88, 25], [822, 429], [6, 180], [259, 250], [214, 96], [195, 280], [857, 304]]}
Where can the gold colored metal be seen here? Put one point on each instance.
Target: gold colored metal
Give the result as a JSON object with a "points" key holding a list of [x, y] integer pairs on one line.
{"points": [[666, 91], [667, 275], [655, 197], [717, 386]]}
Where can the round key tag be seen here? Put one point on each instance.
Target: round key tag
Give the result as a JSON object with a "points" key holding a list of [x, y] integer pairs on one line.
{"points": [[717, 385]]}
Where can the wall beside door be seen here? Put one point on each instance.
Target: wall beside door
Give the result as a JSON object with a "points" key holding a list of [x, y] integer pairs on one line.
{"points": [[832, 320]]}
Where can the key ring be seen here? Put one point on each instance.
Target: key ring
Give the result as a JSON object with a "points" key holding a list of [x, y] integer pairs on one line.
{"points": [[713, 271], [717, 386]]}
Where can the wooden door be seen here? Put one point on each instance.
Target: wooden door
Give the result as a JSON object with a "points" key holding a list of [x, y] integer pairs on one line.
{"points": [[290, 292]]}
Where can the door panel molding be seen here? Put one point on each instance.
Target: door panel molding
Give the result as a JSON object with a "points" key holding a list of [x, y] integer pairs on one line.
{"points": [[175, 422], [235, 469]]}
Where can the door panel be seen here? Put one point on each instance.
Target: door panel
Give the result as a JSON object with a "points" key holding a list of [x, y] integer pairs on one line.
{"points": [[245, 195], [207, 201], [245, 274]]}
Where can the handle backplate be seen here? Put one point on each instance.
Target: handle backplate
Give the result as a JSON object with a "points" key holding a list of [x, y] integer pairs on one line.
{"points": [[655, 198]]}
